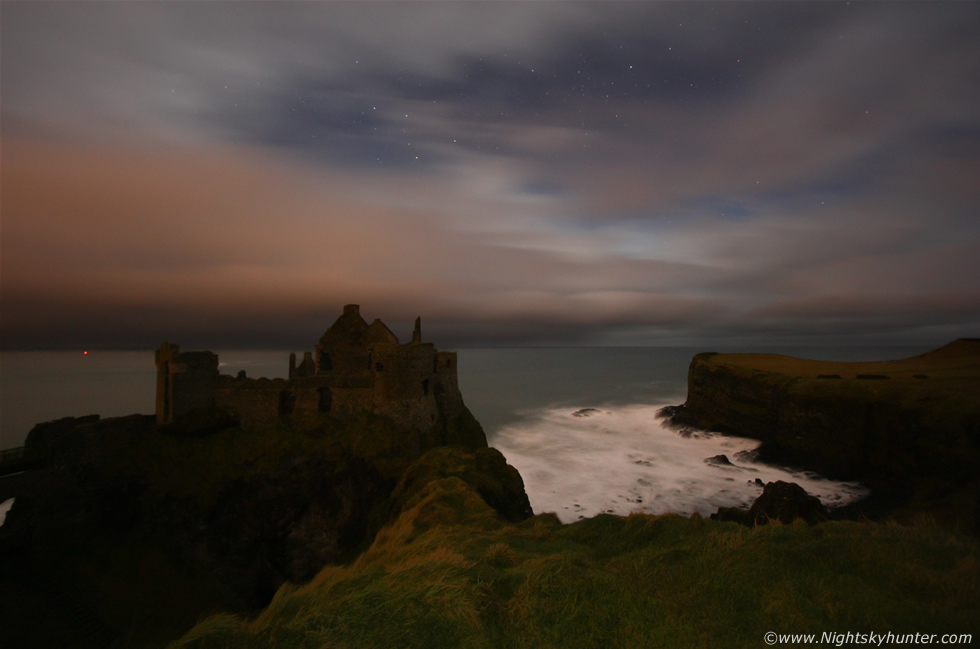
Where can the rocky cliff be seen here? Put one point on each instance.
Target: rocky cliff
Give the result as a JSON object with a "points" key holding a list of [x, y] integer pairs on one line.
{"points": [[143, 529], [909, 428]]}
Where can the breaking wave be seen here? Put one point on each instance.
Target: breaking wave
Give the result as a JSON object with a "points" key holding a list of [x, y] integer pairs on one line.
{"points": [[621, 459], [4, 508]]}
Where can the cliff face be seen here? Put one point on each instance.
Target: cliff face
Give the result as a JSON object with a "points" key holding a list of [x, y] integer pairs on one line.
{"points": [[912, 422], [833, 428], [163, 524]]}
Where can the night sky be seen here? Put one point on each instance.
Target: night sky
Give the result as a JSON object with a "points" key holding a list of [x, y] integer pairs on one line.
{"points": [[229, 174]]}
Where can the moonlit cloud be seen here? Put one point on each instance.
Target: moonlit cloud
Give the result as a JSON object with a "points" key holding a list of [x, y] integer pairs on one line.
{"points": [[599, 173]]}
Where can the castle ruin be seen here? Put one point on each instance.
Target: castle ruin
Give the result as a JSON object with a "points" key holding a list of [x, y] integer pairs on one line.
{"points": [[355, 368]]}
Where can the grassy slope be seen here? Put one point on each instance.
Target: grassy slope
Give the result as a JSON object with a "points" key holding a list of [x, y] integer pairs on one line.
{"points": [[957, 360], [448, 572]]}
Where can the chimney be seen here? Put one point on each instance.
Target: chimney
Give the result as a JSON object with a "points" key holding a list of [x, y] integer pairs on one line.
{"points": [[417, 334]]}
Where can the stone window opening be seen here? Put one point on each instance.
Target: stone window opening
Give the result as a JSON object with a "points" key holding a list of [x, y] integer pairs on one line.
{"points": [[167, 409], [425, 387], [325, 363], [324, 399], [287, 402], [379, 367]]}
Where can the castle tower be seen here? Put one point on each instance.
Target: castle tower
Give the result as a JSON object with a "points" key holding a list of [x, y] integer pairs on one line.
{"points": [[185, 381], [417, 332]]}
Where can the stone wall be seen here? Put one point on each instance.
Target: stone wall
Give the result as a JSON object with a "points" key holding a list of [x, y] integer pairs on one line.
{"points": [[404, 388], [185, 382], [447, 392], [301, 403]]}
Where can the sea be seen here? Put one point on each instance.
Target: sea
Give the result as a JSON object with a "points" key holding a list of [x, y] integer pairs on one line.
{"points": [[579, 423]]}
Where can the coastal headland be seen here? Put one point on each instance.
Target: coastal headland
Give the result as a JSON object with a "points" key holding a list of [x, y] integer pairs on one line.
{"points": [[357, 504], [130, 529], [909, 428]]}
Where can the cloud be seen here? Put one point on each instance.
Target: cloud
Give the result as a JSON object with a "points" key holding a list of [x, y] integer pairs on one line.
{"points": [[586, 171]]}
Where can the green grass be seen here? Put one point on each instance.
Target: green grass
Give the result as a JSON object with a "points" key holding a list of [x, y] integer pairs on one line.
{"points": [[959, 359], [449, 572]]}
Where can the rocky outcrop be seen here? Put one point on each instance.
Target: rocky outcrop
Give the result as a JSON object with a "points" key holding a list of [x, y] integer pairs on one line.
{"points": [[485, 469], [718, 460], [782, 501]]}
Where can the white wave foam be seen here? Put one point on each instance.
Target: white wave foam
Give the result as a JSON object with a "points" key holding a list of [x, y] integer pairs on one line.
{"points": [[4, 508], [619, 459]]}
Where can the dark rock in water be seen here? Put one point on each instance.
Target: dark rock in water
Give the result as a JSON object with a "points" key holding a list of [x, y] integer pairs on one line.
{"points": [[871, 377], [786, 501], [759, 483], [669, 411], [718, 460], [828, 376], [585, 412], [680, 420], [747, 456]]}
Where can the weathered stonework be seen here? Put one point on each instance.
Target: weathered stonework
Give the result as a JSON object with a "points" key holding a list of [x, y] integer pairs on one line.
{"points": [[355, 368], [185, 382]]}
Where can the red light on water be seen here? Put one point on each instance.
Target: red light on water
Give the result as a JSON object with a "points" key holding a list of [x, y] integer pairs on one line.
{"points": [[85, 352]]}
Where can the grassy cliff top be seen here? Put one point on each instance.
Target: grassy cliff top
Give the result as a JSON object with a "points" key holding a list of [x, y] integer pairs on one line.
{"points": [[959, 359], [448, 573]]}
